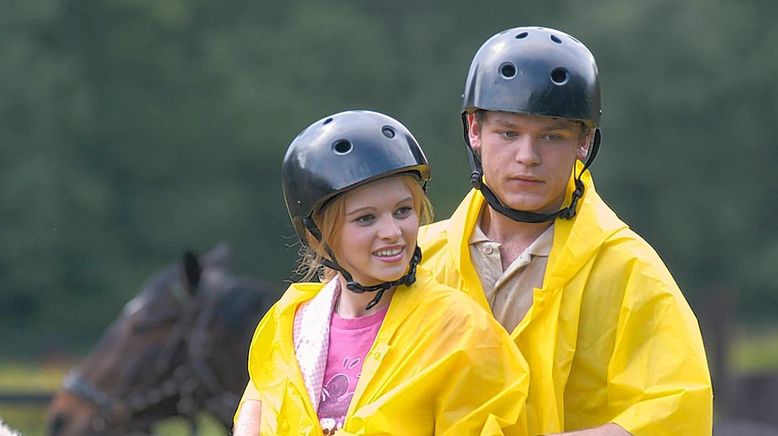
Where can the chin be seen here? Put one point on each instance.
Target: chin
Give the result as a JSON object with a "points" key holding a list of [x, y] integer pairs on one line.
{"points": [[527, 204], [389, 276], [525, 207]]}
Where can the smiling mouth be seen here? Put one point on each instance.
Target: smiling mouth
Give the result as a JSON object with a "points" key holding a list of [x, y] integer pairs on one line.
{"points": [[389, 252]]}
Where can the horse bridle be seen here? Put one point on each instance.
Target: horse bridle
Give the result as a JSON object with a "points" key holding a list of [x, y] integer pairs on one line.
{"points": [[191, 333]]}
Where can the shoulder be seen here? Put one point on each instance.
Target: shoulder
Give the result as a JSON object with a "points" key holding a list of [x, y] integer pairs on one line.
{"points": [[630, 250], [437, 302], [631, 244], [283, 310], [297, 293], [619, 245], [433, 234], [436, 252], [612, 259], [436, 235], [628, 269]]}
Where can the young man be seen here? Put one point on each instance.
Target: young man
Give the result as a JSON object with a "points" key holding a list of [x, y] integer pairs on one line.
{"points": [[612, 344]]}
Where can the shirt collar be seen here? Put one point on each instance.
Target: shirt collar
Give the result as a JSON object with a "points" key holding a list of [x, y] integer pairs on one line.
{"points": [[541, 246]]}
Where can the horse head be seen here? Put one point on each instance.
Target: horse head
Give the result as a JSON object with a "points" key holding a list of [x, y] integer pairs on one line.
{"points": [[171, 352]]}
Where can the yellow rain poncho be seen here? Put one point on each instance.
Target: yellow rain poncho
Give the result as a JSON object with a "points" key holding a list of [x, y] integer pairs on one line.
{"points": [[439, 365], [609, 337]]}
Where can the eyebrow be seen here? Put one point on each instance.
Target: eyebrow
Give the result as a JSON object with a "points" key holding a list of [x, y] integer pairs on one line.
{"points": [[371, 208]]}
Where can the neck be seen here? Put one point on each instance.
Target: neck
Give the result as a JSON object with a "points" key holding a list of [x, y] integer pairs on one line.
{"points": [[352, 305], [506, 231]]}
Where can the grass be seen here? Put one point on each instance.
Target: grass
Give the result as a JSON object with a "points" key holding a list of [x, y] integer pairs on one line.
{"points": [[30, 421], [23, 377], [756, 351], [26, 377]]}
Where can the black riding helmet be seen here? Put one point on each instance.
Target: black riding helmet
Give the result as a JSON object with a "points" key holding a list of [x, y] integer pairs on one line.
{"points": [[339, 153], [534, 71]]}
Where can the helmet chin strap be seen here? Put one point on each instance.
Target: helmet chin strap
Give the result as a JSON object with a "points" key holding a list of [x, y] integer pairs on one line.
{"points": [[476, 179], [352, 285]]}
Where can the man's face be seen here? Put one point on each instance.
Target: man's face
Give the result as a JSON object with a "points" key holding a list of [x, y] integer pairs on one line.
{"points": [[527, 160]]}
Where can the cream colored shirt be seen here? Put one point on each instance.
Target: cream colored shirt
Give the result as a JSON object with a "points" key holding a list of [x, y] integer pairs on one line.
{"points": [[509, 292]]}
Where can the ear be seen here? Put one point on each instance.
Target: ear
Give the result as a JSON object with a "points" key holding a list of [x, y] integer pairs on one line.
{"points": [[192, 271], [474, 132], [218, 256], [584, 145]]}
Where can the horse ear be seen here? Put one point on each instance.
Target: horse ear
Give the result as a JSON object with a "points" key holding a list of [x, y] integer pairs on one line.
{"points": [[219, 256], [192, 271]]}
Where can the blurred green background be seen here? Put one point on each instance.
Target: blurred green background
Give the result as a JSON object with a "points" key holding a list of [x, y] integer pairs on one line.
{"points": [[133, 129]]}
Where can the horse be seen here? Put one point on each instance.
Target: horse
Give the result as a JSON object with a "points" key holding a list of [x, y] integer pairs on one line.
{"points": [[179, 347]]}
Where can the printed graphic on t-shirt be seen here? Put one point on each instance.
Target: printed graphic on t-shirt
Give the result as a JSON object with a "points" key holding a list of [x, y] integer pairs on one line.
{"points": [[336, 396], [350, 342]]}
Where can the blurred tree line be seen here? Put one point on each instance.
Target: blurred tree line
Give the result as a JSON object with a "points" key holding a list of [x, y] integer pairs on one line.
{"points": [[133, 129]]}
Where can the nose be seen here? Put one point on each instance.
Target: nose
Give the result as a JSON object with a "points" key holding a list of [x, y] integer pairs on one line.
{"points": [[389, 229], [527, 151]]}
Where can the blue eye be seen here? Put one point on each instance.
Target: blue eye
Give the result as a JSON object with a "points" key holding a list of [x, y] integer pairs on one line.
{"points": [[364, 219], [403, 212]]}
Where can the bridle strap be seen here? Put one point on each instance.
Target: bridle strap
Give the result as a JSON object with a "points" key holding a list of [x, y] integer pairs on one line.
{"points": [[76, 384]]}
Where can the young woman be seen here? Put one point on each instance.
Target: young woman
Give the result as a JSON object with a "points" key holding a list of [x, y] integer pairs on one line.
{"points": [[379, 347]]}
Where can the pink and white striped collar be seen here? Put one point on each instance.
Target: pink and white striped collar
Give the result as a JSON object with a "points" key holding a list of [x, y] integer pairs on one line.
{"points": [[312, 336]]}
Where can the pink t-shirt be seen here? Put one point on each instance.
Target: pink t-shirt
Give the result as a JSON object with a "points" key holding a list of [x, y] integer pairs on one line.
{"points": [[350, 341]]}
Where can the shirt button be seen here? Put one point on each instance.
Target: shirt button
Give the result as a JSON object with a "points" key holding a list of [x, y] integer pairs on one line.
{"points": [[488, 249]]}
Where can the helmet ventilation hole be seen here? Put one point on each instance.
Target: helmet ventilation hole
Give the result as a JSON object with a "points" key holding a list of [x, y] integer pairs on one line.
{"points": [[388, 132], [327, 121], [555, 39], [559, 76], [342, 146], [521, 35], [508, 70]]}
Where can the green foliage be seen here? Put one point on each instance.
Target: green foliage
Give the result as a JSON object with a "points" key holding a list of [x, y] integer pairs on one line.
{"points": [[756, 352], [133, 129]]}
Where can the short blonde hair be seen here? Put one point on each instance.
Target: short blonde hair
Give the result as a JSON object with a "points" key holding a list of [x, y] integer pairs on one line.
{"points": [[330, 220]]}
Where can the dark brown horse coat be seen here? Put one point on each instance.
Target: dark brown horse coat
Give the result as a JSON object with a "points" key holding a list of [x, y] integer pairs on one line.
{"points": [[179, 347]]}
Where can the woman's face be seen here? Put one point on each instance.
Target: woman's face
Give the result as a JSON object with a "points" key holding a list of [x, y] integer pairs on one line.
{"points": [[378, 236]]}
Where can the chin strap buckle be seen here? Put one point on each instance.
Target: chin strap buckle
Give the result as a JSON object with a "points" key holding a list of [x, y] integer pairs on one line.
{"points": [[569, 212], [475, 180], [407, 280]]}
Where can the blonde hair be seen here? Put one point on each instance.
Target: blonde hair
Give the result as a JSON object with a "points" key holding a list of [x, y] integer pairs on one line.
{"points": [[330, 220]]}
